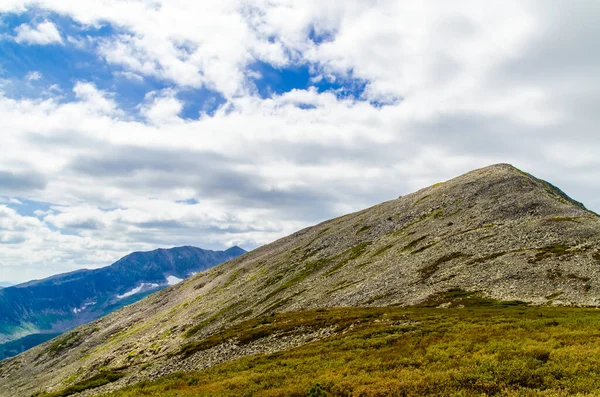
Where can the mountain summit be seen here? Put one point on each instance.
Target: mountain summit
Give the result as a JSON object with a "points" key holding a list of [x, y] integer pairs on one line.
{"points": [[497, 231]]}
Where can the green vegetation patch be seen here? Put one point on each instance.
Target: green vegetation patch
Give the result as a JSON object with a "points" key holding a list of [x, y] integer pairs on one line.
{"points": [[549, 251], [282, 324], [489, 257], [456, 297], [481, 349], [101, 379], [414, 243], [195, 329], [234, 277], [384, 249], [423, 248], [429, 270], [422, 199], [364, 229], [350, 255], [565, 219], [306, 271], [554, 295], [64, 342], [556, 274], [437, 213]]}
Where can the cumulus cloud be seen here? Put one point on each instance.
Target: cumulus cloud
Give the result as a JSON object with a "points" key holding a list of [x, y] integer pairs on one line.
{"points": [[447, 88], [33, 76], [95, 100], [43, 33], [162, 108]]}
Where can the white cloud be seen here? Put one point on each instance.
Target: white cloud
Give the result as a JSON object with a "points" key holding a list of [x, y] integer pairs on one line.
{"points": [[130, 76], [33, 76], [162, 108], [94, 99], [478, 85], [44, 33], [55, 88]]}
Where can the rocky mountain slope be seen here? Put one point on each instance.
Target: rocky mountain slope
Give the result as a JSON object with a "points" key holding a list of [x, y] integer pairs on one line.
{"points": [[496, 230], [38, 310]]}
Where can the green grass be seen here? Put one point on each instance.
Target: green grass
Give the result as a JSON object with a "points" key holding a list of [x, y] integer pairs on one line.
{"points": [[414, 243], [437, 213], [565, 219], [382, 250], [427, 271], [101, 379], [195, 329], [306, 271], [364, 229], [234, 277], [486, 348], [350, 255], [336, 262], [64, 342], [549, 251], [421, 199], [423, 248], [492, 256]]}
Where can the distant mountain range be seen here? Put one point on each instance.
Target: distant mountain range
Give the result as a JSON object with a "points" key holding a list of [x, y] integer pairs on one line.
{"points": [[33, 312], [4, 284]]}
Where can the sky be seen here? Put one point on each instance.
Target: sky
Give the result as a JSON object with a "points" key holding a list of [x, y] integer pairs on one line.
{"points": [[138, 124]]}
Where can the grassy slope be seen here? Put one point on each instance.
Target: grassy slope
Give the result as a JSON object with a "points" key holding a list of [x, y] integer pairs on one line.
{"points": [[485, 347]]}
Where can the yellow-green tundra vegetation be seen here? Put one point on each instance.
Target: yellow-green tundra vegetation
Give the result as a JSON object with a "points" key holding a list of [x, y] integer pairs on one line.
{"points": [[455, 344]]}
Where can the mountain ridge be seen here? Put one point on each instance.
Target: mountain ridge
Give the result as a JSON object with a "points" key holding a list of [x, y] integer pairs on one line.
{"points": [[496, 231], [57, 303]]}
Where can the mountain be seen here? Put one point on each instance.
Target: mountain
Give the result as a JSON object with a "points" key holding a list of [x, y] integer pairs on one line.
{"points": [[40, 309], [496, 233], [5, 284]]}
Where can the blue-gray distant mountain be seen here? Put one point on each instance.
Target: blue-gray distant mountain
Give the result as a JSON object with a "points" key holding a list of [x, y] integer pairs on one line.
{"points": [[37, 310], [4, 284]]}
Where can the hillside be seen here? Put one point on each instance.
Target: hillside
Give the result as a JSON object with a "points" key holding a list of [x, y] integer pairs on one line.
{"points": [[38, 310], [485, 348], [497, 231]]}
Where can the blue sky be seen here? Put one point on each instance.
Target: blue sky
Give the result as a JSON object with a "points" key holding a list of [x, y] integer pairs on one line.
{"points": [[76, 59], [136, 125]]}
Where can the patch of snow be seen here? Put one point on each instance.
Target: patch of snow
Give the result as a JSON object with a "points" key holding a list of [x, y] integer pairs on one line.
{"points": [[172, 280], [82, 308], [138, 289]]}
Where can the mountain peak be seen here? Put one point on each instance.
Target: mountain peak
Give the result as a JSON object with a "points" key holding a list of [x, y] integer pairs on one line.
{"points": [[495, 230], [507, 186], [235, 250]]}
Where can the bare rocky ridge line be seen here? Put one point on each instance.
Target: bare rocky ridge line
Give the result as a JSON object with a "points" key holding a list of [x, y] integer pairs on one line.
{"points": [[495, 230]]}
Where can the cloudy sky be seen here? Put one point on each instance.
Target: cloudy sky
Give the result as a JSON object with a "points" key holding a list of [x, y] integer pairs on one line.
{"points": [[132, 125]]}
